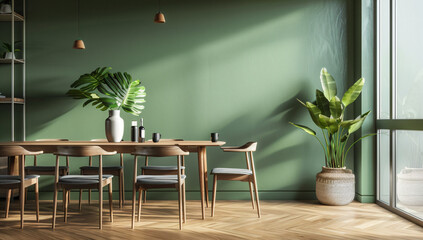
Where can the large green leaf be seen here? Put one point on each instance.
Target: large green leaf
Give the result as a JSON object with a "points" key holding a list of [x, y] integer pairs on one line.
{"points": [[314, 113], [119, 90], [127, 93], [328, 84], [354, 127], [353, 92], [304, 128], [322, 103], [93, 80], [335, 107], [331, 124]]}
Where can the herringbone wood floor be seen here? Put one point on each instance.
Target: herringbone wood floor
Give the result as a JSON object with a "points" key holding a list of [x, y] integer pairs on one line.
{"points": [[233, 220]]}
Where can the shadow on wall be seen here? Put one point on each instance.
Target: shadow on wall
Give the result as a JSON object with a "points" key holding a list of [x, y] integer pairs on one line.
{"points": [[130, 45], [271, 156]]}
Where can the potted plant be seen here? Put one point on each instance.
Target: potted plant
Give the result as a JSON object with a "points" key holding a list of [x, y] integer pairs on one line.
{"points": [[9, 54], [5, 6], [110, 91], [335, 185]]}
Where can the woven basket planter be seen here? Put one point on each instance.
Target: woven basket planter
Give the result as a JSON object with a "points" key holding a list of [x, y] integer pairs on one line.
{"points": [[335, 186]]}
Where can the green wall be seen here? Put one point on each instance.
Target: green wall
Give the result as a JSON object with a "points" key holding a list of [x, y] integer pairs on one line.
{"points": [[233, 67]]}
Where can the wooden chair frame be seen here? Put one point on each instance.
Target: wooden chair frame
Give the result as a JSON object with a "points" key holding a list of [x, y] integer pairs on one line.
{"points": [[248, 149], [84, 151], [159, 172], [165, 151], [23, 184], [62, 172]]}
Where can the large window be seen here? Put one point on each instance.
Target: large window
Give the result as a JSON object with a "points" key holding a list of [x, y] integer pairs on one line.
{"points": [[400, 107]]}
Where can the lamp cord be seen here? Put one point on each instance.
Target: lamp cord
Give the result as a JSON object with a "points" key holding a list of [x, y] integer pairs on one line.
{"points": [[77, 18]]}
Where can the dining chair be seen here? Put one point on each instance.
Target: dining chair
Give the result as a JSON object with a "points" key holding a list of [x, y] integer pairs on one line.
{"points": [[238, 174], [116, 171], [22, 182], [47, 170], [160, 170], [70, 182], [144, 182]]}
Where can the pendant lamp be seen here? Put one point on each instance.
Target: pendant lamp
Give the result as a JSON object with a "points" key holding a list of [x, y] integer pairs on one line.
{"points": [[159, 17], [78, 44]]}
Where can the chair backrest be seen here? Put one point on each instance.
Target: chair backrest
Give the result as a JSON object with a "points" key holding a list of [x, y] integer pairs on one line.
{"points": [[10, 151], [248, 147], [52, 140], [98, 140], [81, 151], [159, 151]]}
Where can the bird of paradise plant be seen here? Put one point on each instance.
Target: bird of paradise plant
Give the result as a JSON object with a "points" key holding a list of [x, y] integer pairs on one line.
{"points": [[328, 112]]}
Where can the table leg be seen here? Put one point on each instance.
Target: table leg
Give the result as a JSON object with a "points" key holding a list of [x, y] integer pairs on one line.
{"points": [[206, 178], [201, 178]]}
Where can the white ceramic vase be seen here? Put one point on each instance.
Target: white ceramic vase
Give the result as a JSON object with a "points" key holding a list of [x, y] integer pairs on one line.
{"points": [[114, 126], [5, 8], [410, 186], [335, 186]]}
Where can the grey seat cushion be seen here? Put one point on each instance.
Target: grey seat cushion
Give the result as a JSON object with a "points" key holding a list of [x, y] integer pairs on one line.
{"points": [[8, 179], [239, 171], [82, 179], [159, 179], [46, 168], [104, 168], [162, 168]]}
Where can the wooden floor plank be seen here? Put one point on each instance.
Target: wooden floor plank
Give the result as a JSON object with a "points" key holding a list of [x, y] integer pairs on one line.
{"points": [[233, 220]]}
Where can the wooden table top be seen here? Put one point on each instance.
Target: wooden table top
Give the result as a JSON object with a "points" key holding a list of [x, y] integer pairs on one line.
{"points": [[123, 143]]}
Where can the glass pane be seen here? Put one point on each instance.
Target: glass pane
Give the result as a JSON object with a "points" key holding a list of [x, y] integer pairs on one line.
{"points": [[383, 165], [409, 59], [409, 171], [384, 60]]}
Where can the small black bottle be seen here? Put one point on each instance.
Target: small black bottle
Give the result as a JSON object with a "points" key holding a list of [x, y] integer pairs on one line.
{"points": [[134, 132], [141, 131]]}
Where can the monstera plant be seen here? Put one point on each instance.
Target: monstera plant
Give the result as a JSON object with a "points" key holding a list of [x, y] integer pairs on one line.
{"points": [[335, 185], [110, 91]]}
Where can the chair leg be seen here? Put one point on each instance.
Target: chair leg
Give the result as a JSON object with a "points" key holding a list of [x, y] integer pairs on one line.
{"points": [[89, 196], [37, 201], [80, 200], [120, 190], [133, 207], [100, 207], [145, 196], [214, 195], [22, 202], [26, 195], [184, 210], [111, 202], [139, 205], [123, 188], [180, 206], [257, 199], [65, 204], [63, 199], [9, 193], [250, 185], [54, 208]]}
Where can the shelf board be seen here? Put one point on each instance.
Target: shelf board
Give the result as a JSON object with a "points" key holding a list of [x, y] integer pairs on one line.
{"points": [[3, 60], [9, 100], [7, 17]]}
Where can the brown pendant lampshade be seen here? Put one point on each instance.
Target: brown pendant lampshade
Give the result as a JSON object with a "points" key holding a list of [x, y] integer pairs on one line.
{"points": [[159, 18], [79, 44]]}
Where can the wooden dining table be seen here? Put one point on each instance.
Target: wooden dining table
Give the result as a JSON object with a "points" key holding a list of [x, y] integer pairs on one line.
{"points": [[198, 147]]}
